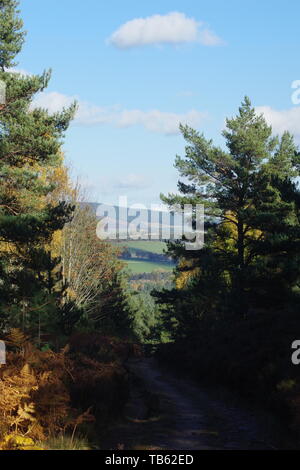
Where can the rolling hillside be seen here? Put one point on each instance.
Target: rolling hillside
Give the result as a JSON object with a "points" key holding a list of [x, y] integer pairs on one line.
{"points": [[146, 256]]}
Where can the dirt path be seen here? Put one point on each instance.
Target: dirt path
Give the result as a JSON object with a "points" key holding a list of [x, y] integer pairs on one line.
{"points": [[166, 412]]}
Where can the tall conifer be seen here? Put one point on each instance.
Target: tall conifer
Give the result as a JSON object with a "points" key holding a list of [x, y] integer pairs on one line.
{"points": [[30, 148]]}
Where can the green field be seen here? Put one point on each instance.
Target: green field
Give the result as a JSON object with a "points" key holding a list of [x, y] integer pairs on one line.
{"points": [[156, 247], [141, 266]]}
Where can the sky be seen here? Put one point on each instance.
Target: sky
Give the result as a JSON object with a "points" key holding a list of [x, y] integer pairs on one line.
{"points": [[139, 68]]}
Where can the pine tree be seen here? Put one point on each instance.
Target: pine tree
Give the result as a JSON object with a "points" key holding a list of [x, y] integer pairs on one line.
{"points": [[243, 204], [11, 34], [30, 148]]}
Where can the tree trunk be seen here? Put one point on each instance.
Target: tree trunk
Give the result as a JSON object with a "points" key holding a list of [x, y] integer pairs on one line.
{"points": [[240, 272]]}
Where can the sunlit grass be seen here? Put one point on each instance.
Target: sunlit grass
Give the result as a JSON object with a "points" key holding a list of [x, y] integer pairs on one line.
{"points": [[66, 443], [142, 266]]}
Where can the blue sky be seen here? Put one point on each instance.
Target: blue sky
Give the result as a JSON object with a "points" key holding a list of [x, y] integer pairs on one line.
{"points": [[195, 67]]}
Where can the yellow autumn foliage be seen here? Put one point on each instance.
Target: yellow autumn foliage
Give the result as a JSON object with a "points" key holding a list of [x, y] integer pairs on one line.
{"points": [[184, 277], [17, 442]]}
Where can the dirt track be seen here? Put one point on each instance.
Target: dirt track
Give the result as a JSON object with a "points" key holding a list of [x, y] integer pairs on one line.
{"points": [[167, 412]]}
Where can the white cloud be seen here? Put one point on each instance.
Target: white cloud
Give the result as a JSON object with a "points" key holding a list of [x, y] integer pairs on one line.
{"points": [[172, 28], [88, 114], [22, 72], [131, 182], [158, 121], [209, 38], [52, 101], [282, 120]]}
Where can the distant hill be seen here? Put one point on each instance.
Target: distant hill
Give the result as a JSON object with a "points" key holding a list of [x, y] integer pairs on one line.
{"points": [[152, 225]]}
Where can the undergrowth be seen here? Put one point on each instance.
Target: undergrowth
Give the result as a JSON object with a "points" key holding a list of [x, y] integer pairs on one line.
{"points": [[47, 398]]}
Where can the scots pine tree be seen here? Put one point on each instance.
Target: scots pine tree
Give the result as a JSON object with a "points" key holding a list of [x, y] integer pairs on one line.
{"points": [[30, 149], [11, 34], [242, 192]]}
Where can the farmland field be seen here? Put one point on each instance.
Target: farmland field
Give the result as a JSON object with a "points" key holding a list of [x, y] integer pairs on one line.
{"points": [[141, 266]]}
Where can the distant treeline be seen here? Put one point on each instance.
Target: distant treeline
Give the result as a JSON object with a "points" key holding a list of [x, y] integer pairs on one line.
{"points": [[131, 252], [153, 276]]}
